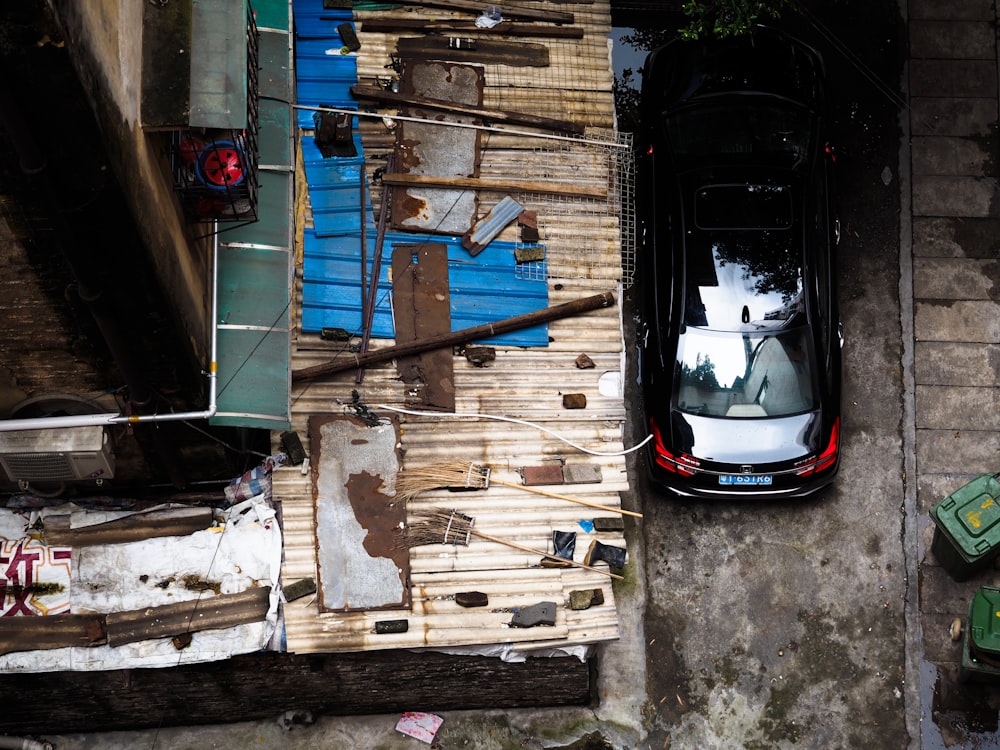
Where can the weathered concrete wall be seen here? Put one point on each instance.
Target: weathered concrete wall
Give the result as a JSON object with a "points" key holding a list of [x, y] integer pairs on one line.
{"points": [[105, 41]]}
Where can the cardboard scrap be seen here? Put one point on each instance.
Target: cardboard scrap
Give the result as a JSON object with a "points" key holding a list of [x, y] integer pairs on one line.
{"points": [[422, 726]]}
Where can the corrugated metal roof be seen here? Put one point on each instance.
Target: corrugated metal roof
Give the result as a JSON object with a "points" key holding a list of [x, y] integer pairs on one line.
{"points": [[582, 247]]}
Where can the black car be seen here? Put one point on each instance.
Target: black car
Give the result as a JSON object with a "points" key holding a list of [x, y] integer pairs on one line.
{"points": [[739, 330]]}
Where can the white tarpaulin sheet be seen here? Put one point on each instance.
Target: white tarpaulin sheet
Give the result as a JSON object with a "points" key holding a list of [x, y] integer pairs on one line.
{"points": [[241, 551]]}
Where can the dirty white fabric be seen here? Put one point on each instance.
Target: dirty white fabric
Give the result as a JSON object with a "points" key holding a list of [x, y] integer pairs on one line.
{"points": [[242, 550]]}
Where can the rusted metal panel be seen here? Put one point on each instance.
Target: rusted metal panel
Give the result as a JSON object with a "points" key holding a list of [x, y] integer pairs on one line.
{"points": [[422, 309], [209, 613], [356, 515], [487, 228], [52, 632], [59, 529], [437, 150]]}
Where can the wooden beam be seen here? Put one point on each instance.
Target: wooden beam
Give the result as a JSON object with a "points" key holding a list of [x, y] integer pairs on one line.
{"points": [[515, 54], [374, 93], [132, 528], [509, 11], [50, 632], [463, 336], [264, 685], [214, 612], [504, 28], [499, 185]]}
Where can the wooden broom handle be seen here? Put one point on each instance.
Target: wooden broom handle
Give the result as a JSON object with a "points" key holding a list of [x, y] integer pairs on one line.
{"points": [[532, 550], [581, 501]]}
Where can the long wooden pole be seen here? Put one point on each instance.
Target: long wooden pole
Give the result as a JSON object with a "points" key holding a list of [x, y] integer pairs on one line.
{"points": [[486, 330], [546, 555], [499, 185], [578, 500], [492, 115]]}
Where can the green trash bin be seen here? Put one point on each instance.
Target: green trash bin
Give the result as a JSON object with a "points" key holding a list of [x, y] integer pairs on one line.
{"points": [[967, 527], [981, 641]]}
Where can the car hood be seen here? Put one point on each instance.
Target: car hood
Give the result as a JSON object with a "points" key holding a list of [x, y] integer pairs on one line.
{"points": [[746, 441]]}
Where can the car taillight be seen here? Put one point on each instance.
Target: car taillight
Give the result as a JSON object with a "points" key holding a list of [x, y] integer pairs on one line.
{"points": [[827, 458], [667, 460]]}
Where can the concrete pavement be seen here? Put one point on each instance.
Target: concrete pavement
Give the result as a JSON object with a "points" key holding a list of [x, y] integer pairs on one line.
{"points": [[953, 423]]}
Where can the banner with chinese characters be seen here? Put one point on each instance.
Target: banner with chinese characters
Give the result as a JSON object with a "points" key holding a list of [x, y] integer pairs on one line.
{"points": [[34, 578]]}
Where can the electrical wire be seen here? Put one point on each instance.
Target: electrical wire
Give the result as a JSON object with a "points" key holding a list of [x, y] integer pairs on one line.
{"points": [[513, 420]]}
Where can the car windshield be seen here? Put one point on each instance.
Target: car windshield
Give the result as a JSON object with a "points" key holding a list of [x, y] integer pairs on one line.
{"points": [[752, 126], [745, 374]]}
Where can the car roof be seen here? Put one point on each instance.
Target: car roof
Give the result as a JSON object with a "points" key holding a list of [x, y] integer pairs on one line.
{"points": [[743, 250], [764, 62]]}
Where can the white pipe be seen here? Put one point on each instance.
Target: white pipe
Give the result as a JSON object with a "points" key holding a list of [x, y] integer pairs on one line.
{"points": [[88, 420]]}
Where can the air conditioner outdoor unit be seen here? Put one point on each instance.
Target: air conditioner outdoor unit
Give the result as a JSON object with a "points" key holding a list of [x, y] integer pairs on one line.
{"points": [[57, 455]]}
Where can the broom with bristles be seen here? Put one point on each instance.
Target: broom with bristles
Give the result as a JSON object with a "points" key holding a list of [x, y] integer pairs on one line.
{"points": [[439, 526], [458, 475]]}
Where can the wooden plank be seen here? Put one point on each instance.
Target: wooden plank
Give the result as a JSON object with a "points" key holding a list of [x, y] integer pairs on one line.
{"points": [[264, 685], [515, 54], [210, 613], [504, 28], [52, 631], [500, 185], [133, 528], [492, 115], [509, 11]]}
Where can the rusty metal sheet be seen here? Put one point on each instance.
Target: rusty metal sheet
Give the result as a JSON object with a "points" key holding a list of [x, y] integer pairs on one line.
{"points": [[209, 613], [437, 150], [354, 466], [422, 310]]}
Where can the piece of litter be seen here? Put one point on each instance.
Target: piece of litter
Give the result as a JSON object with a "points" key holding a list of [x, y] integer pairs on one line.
{"points": [[422, 726]]}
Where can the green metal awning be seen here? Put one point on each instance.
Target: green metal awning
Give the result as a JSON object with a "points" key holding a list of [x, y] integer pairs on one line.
{"points": [[256, 259], [194, 68]]}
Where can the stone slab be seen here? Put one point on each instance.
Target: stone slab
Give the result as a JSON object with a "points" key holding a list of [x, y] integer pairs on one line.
{"points": [[951, 10], [963, 116], [955, 278], [954, 196], [952, 39], [957, 450], [949, 237], [976, 78], [958, 364], [960, 320], [945, 407], [948, 155], [941, 594]]}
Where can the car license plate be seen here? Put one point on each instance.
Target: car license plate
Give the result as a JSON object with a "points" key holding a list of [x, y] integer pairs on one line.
{"points": [[755, 479]]}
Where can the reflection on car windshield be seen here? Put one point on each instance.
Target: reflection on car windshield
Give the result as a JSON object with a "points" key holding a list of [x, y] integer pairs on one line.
{"points": [[745, 374], [746, 126]]}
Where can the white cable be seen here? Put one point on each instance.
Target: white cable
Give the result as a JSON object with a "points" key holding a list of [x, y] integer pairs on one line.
{"points": [[515, 421]]}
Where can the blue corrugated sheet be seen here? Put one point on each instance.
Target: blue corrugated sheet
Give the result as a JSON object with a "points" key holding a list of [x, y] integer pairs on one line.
{"points": [[323, 75], [484, 289]]}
